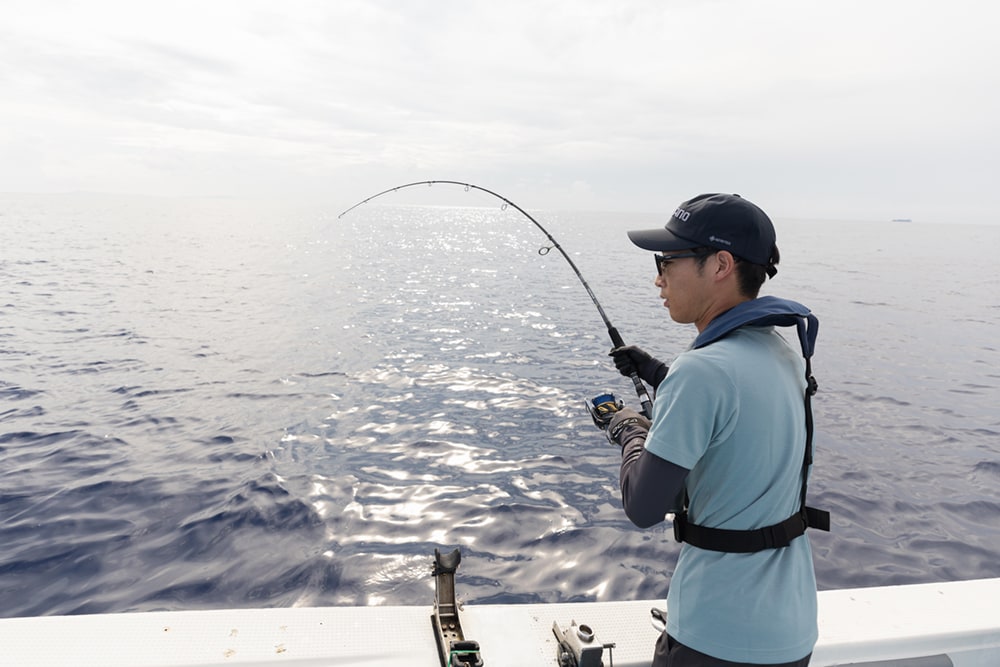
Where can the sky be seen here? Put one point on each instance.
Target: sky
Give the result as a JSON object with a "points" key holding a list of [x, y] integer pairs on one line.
{"points": [[855, 110]]}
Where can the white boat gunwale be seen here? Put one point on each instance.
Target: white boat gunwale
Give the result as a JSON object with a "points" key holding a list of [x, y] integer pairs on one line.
{"points": [[951, 623]]}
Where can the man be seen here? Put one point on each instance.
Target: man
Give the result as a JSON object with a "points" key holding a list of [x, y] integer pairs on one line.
{"points": [[729, 445]]}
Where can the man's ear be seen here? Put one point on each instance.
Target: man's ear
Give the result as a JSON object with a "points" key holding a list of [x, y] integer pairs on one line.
{"points": [[726, 263]]}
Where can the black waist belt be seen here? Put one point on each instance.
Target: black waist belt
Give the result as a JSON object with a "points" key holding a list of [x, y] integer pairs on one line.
{"points": [[750, 541]]}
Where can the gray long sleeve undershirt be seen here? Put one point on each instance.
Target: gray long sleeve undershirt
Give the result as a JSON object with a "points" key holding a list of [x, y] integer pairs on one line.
{"points": [[651, 486]]}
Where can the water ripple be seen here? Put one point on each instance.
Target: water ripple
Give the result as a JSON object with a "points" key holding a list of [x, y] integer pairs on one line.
{"points": [[304, 418]]}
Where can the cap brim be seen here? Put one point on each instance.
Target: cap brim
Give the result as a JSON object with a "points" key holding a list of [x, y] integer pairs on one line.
{"points": [[659, 239]]}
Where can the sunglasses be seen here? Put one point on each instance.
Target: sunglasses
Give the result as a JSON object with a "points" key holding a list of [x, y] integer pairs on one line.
{"points": [[662, 260]]}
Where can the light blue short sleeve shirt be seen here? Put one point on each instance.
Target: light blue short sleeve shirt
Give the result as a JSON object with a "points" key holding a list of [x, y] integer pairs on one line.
{"points": [[732, 413]]}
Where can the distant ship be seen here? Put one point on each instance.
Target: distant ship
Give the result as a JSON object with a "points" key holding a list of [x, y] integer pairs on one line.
{"points": [[902, 220]]}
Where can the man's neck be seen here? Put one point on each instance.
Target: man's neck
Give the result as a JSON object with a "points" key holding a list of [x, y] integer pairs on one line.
{"points": [[719, 307]]}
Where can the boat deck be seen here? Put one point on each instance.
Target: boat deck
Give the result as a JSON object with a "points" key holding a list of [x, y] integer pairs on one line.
{"points": [[928, 625]]}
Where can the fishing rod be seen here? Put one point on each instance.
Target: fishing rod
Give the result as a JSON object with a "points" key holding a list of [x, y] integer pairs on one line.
{"points": [[616, 338]]}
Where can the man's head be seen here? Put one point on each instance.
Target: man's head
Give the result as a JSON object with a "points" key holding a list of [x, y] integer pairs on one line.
{"points": [[720, 222]]}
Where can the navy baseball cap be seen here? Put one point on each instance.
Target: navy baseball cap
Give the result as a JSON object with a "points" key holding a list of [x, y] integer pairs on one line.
{"points": [[720, 221]]}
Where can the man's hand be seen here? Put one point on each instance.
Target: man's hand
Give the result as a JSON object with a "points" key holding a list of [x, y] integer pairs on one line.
{"points": [[631, 359], [626, 425]]}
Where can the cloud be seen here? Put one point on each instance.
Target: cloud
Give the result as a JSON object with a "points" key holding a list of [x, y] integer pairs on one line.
{"points": [[867, 106]]}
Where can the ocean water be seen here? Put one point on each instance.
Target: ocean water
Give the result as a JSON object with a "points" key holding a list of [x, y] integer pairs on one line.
{"points": [[214, 403]]}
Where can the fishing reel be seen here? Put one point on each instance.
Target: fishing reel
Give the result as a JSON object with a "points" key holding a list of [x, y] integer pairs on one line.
{"points": [[603, 408]]}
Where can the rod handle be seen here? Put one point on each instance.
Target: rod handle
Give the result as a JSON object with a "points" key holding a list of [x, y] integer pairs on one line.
{"points": [[640, 388]]}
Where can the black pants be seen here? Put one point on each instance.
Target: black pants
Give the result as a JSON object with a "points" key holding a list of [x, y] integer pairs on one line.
{"points": [[671, 653]]}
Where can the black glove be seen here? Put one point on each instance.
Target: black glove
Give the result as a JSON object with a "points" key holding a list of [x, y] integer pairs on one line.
{"points": [[626, 425], [631, 359]]}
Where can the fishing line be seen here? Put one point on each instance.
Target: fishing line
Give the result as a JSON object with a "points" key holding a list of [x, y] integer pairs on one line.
{"points": [[616, 339]]}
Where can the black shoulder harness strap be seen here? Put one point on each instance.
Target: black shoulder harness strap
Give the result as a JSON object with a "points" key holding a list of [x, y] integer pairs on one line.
{"points": [[765, 311]]}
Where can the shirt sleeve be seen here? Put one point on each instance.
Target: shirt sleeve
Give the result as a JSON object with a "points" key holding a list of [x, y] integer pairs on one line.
{"points": [[695, 406]]}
